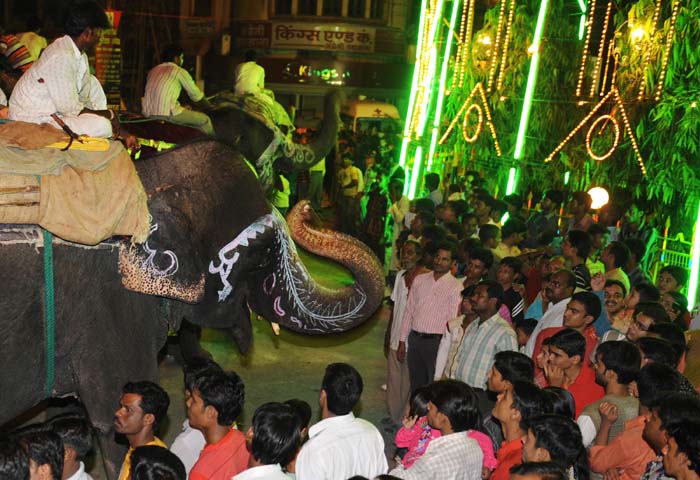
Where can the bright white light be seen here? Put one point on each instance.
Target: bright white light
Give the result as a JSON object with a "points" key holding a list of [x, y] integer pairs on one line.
{"points": [[637, 34], [531, 49], [600, 197], [694, 105], [486, 40]]}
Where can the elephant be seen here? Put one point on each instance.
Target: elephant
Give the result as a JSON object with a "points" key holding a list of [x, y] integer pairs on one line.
{"points": [[215, 249]]}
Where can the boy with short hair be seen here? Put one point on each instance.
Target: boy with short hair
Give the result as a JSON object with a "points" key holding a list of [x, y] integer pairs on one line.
{"points": [[509, 272], [672, 279], [77, 442]]}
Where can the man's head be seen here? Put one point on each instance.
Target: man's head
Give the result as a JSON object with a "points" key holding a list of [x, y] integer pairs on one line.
{"points": [[274, 435], [470, 222], [45, 452], [672, 279], [554, 438], [217, 399], [673, 334], [615, 255], [520, 403], [84, 22], [514, 203], [561, 285], [173, 53], [577, 244], [341, 389], [453, 407], [76, 434], [250, 56], [682, 452], [538, 471], [642, 292], [580, 203], [482, 204], [487, 298], [599, 236], [669, 407], [509, 271], [567, 349], [480, 261], [194, 369], [513, 231], [645, 315], [490, 235], [657, 350], [14, 462], [303, 412], [420, 221], [617, 362], [551, 201], [614, 295], [411, 252], [465, 307], [508, 368], [637, 250], [445, 258], [654, 381], [152, 462], [432, 181], [582, 310], [142, 407]]}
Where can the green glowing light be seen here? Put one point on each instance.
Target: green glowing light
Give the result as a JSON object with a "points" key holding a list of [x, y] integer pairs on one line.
{"points": [[433, 146], [415, 171], [402, 156], [423, 118], [531, 80], [694, 263], [582, 27], [566, 178], [512, 180]]}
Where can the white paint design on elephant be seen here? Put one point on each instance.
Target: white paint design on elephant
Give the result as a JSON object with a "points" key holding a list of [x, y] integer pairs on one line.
{"points": [[228, 261], [148, 264], [269, 283], [278, 307]]}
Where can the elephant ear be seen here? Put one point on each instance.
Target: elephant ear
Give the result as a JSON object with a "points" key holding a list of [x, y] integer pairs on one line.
{"points": [[168, 264]]}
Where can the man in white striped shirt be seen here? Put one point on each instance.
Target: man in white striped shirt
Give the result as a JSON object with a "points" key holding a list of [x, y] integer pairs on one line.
{"points": [[163, 87], [433, 301]]}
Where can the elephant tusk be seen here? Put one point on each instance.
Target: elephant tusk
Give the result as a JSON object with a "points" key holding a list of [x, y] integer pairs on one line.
{"points": [[275, 328]]}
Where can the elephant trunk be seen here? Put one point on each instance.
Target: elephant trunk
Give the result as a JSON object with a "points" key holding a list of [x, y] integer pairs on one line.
{"points": [[295, 300]]}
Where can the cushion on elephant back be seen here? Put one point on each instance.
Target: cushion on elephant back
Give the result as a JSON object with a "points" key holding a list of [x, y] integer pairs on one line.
{"points": [[161, 130]]}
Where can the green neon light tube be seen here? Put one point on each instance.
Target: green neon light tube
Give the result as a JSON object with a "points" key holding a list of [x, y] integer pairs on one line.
{"points": [[694, 264], [531, 81], [512, 180], [423, 119], [582, 27], [415, 172], [566, 178], [433, 147]]}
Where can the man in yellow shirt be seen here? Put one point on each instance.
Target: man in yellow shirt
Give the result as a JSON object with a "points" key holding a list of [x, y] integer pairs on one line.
{"points": [[142, 407]]}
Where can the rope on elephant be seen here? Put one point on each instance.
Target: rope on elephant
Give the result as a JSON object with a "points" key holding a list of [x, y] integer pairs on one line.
{"points": [[50, 311]]}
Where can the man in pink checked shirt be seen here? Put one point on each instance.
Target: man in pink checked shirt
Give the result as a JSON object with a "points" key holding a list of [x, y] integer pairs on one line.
{"points": [[433, 300]]}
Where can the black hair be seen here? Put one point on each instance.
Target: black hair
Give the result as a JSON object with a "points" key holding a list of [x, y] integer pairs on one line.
{"points": [[276, 434], [225, 392], [680, 307], [581, 242], [563, 402], [196, 367], [597, 229], [686, 433], [469, 216], [153, 462], [617, 283], [154, 399], [455, 228], [620, 253], [647, 292], [483, 196], [454, 188], [582, 198], [250, 56], [82, 15], [428, 218], [343, 387], [487, 232], [171, 51], [531, 401], [482, 254], [513, 263], [658, 350], [623, 358], [653, 310], [515, 200], [434, 234], [590, 301], [570, 277], [654, 379], [514, 366], [45, 448], [448, 247], [418, 404], [513, 225], [432, 181], [555, 196], [527, 325], [636, 247], [571, 342], [458, 402], [425, 205], [561, 437], [14, 462], [468, 292], [75, 432], [302, 410], [673, 406], [674, 334], [494, 290], [498, 206], [541, 470], [460, 207], [680, 274]]}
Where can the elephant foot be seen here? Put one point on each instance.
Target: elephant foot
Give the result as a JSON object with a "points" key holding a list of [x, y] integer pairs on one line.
{"points": [[188, 340]]}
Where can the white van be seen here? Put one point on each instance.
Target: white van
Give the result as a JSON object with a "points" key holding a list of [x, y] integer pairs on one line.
{"points": [[360, 115]]}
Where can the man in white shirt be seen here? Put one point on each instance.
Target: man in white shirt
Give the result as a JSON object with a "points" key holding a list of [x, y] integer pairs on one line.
{"points": [[163, 86], [559, 291], [453, 409], [76, 435], [272, 439], [250, 77], [341, 445], [60, 83]]}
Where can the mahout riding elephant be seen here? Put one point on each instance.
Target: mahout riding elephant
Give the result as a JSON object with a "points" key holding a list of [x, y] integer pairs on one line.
{"points": [[216, 247]]}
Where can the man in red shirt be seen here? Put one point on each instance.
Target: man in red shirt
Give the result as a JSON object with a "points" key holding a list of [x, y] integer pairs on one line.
{"points": [[567, 368], [215, 402]]}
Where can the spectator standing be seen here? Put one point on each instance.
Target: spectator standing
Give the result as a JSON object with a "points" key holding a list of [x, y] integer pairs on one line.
{"points": [[454, 336], [350, 180], [614, 257], [341, 445], [542, 226], [432, 185], [398, 210], [575, 248], [150, 462], [76, 434], [578, 209], [633, 268], [682, 453], [250, 77]]}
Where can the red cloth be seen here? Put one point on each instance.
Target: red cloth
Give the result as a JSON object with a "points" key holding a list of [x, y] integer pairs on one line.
{"points": [[509, 455], [533, 285], [223, 459], [628, 452], [584, 389], [591, 342]]}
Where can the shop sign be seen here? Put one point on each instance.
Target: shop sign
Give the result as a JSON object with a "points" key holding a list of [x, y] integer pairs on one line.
{"points": [[306, 36]]}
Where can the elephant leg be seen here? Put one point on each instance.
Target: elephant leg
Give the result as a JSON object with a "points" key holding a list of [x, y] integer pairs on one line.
{"points": [[188, 339], [112, 452]]}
